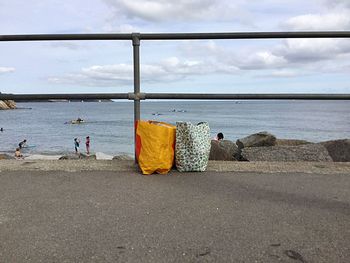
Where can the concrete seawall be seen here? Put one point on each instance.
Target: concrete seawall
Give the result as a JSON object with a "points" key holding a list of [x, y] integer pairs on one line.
{"points": [[76, 211], [218, 166]]}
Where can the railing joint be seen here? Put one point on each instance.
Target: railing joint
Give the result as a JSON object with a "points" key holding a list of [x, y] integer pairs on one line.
{"points": [[137, 96], [135, 38]]}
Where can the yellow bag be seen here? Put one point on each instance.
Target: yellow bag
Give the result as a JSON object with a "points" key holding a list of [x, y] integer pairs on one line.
{"points": [[155, 144]]}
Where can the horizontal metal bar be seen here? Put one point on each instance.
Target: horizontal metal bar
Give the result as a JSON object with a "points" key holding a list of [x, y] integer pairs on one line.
{"points": [[290, 96], [178, 36], [82, 96], [246, 35], [176, 96], [55, 37]]}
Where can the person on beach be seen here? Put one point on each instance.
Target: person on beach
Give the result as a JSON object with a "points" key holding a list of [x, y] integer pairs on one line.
{"points": [[87, 144], [76, 145], [18, 154], [219, 136], [22, 144], [1, 129]]}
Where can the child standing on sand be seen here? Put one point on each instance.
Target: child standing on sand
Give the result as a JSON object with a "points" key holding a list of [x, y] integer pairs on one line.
{"points": [[87, 144], [76, 145]]}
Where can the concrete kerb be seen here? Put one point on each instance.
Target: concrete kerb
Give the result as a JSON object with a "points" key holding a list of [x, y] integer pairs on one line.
{"points": [[213, 166]]}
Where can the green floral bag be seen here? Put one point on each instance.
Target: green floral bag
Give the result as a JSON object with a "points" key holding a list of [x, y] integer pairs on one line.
{"points": [[192, 146]]}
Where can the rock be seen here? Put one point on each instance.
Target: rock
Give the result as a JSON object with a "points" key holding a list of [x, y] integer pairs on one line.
{"points": [[224, 150], [308, 152], [339, 150], [77, 157], [90, 157], [69, 157], [257, 140], [123, 157], [11, 104], [290, 142], [4, 156], [7, 104], [42, 157], [103, 156], [3, 105]]}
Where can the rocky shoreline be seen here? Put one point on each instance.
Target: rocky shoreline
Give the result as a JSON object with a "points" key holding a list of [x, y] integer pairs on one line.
{"points": [[96, 156], [263, 146]]}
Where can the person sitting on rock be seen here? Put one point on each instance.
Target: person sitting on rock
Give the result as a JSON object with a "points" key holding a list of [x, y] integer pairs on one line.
{"points": [[219, 136]]}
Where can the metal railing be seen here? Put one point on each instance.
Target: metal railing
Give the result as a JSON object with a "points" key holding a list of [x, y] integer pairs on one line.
{"points": [[136, 38]]}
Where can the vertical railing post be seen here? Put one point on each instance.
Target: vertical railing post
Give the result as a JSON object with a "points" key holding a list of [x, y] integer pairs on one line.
{"points": [[136, 61]]}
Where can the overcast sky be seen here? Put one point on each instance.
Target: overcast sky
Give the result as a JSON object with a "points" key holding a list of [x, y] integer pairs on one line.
{"points": [[227, 66]]}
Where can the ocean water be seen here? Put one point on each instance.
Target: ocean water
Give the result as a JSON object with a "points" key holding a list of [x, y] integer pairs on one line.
{"points": [[110, 125]]}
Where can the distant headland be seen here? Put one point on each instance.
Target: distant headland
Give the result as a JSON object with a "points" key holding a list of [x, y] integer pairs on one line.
{"points": [[72, 100], [10, 104]]}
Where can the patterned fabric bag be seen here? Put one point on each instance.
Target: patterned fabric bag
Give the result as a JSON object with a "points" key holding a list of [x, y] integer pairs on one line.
{"points": [[192, 146]]}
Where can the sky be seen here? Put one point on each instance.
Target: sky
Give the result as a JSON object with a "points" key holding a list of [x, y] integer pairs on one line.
{"points": [[205, 66]]}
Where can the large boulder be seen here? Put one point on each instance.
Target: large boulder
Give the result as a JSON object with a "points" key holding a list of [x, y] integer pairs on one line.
{"points": [[224, 150], [257, 140], [123, 157], [290, 142], [103, 156], [69, 157], [4, 156], [3, 105], [77, 157], [11, 104], [339, 150], [42, 157], [7, 104], [309, 152]]}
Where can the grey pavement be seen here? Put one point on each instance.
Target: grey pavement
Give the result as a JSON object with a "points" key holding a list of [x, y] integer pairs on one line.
{"points": [[122, 216]]}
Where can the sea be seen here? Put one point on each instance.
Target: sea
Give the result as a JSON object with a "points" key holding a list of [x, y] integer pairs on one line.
{"points": [[46, 125]]}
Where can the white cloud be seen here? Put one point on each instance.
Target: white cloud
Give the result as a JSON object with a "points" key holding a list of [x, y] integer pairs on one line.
{"points": [[171, 69], [284, 73], [107, 75], [285, 58], [164, 10], [123, 28], [4, 70], [66, 45], [313, 50], [226, 57], [328, 21], [338, 3], [261, 60]]}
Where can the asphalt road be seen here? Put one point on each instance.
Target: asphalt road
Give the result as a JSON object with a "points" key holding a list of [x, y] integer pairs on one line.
{"points": [[194, 217]]}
